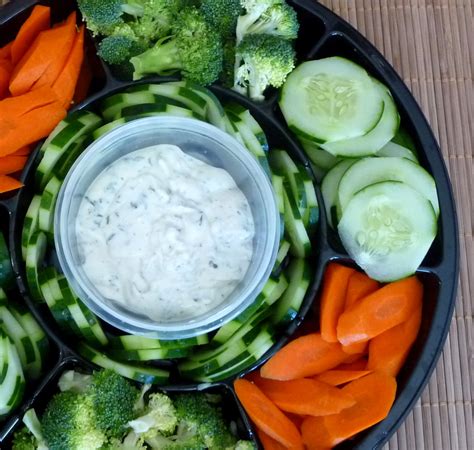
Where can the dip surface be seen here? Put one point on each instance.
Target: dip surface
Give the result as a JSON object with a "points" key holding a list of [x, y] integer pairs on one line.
{"points": [[165, 234]]}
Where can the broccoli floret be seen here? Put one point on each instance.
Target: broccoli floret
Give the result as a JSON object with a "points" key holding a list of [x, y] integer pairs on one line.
{"points": [[253, 11], [194, 48], [222, 15], [160, 417], [103, 16], [262, 60], [130, 442], [245, 445], [197, 416], [116, 49], [69, 423], [227, 75], [30, 437], [113, 398], [279, 20], [23, 439]]}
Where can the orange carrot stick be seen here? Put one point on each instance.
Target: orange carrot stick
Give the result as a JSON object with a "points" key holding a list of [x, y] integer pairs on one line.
{"points": [[39, 20], [5, 51], [24, 151], [303, 357], [388, 351], [360, 285], [5, 73], [314, 434], [269, 443], [358, 364], [12, 164], [9, 184], [333, 299], [379, 311], [337, 377], [306, 396], [266, 416], [65, 84], [18, 106], [61, 54]]}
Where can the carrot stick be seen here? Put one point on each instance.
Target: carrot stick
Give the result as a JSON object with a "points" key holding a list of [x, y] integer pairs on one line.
{"points": [[12, 164], [5, 73], [269, 443], [303, 357], [18, 106], [379, 311], [39, 57], [62, 51], [333, 299], [358, 364], [388, 351], [306, 396], [9, 184], [337, 377], [314, 434], [266, 416], [24, 151], [374, 395], [5, 51], [65, 84], [360, 285], [39, 20]]}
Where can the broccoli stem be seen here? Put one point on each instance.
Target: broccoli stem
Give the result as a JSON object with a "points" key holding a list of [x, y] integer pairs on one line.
{"points": [[161, 59]]}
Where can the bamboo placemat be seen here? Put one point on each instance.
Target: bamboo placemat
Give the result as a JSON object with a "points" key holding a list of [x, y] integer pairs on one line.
{"points": [[431, 45]]}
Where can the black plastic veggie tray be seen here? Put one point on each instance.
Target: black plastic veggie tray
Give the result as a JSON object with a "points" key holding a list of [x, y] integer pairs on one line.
{"points": [[322, 34]]}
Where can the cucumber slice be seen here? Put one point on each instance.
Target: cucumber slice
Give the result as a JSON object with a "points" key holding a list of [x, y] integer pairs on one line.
{"points": [[277, 183], [47, 205], [281, 257], [390, 149], [112, 106], [330, 99], [369, 171], [311, 211], [403, 138], [142, 374], [154, 109], [6, 271], [30, 224], [132, 342], [35, 253], [67, 159], [375, 139], [150, 354], [329, 188], [388, 228], [318, 156]]}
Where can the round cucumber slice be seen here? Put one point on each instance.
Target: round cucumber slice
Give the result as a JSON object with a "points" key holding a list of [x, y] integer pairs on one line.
{"points": [[330, 99], [368, 171], [392, 149], [381, 232]]}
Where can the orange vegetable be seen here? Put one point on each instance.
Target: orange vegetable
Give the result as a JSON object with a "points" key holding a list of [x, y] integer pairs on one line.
{"points": [[65, 84], [266, 416], [388, 351], [306, 396], [5, 51], [83, 82], [379, 311], [268, 443], [12, 164], [9, 184], [5, 73], [39, 57], [24, 151], [18, 106], [374, 395], [357, 364], [39, 20], [303, 357], [333, 299], [337, 377], [360, 285], [61, 54]]}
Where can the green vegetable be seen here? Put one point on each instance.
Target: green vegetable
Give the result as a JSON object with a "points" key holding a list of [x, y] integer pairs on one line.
{"points": [[245, 445], [74, 381], [263, 60], [194, 48], [23, 439], [228, 65], [6, 271], [222, 15], [117, 48], [253, 11]]}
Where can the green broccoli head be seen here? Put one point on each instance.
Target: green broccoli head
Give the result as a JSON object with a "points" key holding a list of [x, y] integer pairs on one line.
{"points": [[194, 48], [245, 445], [160, 417], [198, 417], [23, 439], [279, 20], [228, 66], [69, 422], [116, 49], [253, 11], [222, 15], [263, 60], [103, 16], [113, 398]]}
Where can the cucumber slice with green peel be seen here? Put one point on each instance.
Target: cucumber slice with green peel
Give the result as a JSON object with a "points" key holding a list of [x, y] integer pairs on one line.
{"points": [[47, 206], [329, 189], [67, 159], [96, 134], [299, 275], [388, 228], [277, 183], [390, 149], [150, 354], [111, 107], [373, 170], [318, 156], [371, 142], [30, 224], [283, 251], [403, 138], [80, 123], [295, 229], [140, 373], [35, 253], [330, 99], [311, 211], [132, 342], [282, 164], [7, 277], [151, 109]]}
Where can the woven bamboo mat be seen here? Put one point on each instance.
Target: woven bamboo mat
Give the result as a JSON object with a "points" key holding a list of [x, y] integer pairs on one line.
{"points": [[431, 45]]}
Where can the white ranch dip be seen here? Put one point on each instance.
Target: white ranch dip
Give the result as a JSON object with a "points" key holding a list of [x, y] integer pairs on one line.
{"points": [[165, 234]]}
